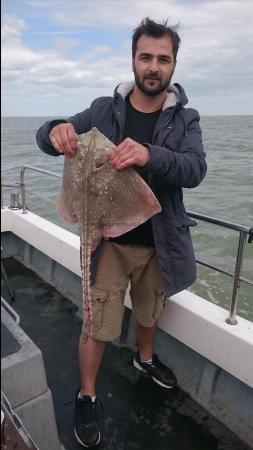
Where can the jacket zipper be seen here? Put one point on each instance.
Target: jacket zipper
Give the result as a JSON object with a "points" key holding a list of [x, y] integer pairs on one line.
{"points": [[157, 129], [118, 116]]}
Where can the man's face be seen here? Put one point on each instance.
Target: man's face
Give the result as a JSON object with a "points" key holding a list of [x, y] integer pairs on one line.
{"points": [[153, 64]]}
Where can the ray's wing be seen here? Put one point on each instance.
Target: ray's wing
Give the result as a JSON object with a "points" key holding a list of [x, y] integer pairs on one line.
{"points": [[129, 203], [65, 206]]}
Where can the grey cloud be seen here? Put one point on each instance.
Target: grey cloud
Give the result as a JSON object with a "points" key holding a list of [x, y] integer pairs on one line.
{"points": [[214, 60]]}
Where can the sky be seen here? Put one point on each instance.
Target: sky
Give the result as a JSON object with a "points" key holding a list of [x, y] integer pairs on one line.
{"points": [[59, 55]]}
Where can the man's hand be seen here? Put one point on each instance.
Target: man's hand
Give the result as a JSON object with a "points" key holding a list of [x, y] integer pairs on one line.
{"points": [[129, 153], [64, 139]]}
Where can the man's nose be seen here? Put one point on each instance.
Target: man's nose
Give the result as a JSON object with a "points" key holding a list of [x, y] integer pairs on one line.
{"points": [[153, 66]]}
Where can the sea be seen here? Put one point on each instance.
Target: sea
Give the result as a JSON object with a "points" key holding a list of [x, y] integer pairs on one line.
{"points": [[226, 193]]}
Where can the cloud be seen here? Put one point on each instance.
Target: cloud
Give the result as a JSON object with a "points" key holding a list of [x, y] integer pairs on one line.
{"points": [[216, 36], [128, 14], [21, 64], [213, 61], [12, 28]]}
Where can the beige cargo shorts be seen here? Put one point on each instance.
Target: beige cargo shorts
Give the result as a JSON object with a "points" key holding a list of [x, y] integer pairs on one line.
{"points": [[119, 265]]}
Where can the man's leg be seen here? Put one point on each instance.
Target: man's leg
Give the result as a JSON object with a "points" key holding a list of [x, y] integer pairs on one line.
{"points": [[148, 301], [88, 409], [147, 361], [145, 337], [107, 294], [90, 355]]}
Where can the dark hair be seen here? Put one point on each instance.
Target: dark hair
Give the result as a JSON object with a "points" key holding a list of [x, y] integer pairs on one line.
{"points": [[156, 30]]}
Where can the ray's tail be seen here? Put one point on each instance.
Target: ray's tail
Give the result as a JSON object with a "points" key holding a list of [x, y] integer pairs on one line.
{"points": [[86, 244], [85, 268]]}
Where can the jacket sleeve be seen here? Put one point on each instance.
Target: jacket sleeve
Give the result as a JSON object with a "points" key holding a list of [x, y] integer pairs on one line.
{"points": [[80, 122], [184, 166]]}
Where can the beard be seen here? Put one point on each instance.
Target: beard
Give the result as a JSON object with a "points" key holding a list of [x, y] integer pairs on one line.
{"points": [[151, 89]]}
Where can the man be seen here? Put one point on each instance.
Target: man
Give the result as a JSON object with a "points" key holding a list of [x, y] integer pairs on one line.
{"points": [[153, 131]]}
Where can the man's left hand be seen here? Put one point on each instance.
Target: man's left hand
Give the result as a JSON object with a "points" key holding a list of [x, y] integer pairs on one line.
{"points": [[129, 153]]}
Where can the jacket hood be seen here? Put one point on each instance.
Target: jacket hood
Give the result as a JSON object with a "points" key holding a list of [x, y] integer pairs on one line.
{"points": [[175, 93]]}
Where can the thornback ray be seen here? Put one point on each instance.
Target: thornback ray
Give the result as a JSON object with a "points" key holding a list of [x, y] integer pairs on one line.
{"points": [[105, 202]]}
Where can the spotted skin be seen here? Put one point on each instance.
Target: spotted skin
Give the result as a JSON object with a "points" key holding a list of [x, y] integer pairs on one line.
{"points": [[105, 202]]}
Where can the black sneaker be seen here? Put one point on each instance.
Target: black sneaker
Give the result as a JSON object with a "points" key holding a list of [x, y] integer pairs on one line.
{"points": [[160, 373], [87, 421]]}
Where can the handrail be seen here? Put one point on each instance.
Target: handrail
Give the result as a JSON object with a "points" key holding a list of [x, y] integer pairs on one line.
{"points": [[15, 316], [225, 272], [222, 223], [22, 181], [243, 230]]}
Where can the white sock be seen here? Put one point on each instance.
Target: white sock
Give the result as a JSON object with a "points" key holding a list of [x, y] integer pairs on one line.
{"points": [[147, 362], [93, 398]]}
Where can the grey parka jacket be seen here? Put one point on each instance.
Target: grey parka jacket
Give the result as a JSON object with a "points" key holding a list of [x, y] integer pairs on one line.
{"points": [[177, 161]]}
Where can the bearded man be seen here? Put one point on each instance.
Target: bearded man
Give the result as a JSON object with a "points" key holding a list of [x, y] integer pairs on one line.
{"points": [[153, 131]]}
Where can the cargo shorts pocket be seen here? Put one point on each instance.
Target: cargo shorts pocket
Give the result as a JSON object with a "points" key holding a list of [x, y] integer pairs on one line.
{"points": [[159, 303], [98, 299]]}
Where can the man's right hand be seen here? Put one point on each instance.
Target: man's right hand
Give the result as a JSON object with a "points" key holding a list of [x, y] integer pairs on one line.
{"points": [[64, 139]]}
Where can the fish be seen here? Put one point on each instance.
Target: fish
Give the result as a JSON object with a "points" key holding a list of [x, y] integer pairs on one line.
{"points": [[105, 202]]}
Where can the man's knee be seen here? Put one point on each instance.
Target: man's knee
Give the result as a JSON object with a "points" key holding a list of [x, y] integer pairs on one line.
{"points": [[149, 311]]}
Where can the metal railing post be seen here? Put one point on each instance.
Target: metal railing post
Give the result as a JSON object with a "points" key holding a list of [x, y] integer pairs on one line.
{"points": [[22, 189], [22, 181], [237, 283]]}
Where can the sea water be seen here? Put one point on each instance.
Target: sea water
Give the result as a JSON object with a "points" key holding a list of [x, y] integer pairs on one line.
{"points": [[226, 193]]}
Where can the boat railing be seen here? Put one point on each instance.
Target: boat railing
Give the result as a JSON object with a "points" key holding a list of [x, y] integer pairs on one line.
{"points": [[22, 181], [245, 235]]}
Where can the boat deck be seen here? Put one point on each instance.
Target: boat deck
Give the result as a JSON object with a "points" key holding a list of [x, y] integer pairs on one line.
{"points": [[138, 414]]}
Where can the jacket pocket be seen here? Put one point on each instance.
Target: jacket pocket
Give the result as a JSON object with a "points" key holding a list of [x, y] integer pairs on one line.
{"points": [[185, 222]]}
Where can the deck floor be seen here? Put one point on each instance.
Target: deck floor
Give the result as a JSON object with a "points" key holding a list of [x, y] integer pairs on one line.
{"points": [[139, 415]]}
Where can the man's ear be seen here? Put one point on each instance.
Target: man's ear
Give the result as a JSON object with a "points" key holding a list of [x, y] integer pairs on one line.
{"points": [[132, 64]]}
